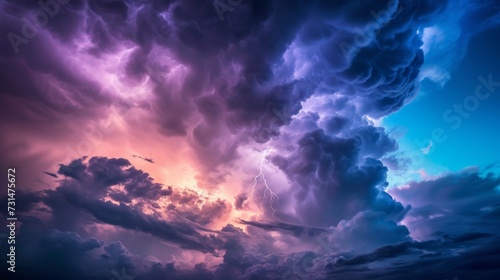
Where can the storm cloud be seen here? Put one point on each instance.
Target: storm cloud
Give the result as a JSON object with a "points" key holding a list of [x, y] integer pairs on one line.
{"points": [[267, 115]]}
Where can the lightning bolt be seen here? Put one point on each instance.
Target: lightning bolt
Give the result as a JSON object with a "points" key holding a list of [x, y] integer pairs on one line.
{"points": [[273, 196]]}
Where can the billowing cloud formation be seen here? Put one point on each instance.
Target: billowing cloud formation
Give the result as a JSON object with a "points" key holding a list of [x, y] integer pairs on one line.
{"points": [[89, 188], [330, 181], [213, 84], [449, 201], [211, 80], [101, 173], [336, 251]]}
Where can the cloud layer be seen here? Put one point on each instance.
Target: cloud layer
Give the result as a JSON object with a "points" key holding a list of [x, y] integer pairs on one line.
{"points": [[262, 119]]}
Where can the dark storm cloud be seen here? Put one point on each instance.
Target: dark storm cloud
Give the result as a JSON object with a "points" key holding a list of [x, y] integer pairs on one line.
{"points": [[178, 232], [240, 81], [369, 230], [210, 49], [92, 182], [26, 200], [42, 92], [452, 203], [41, 67], [54, 253], [120, 256], [405, 260], [375, 142], [366, 231], [333, 182], [338, 182], [83, 192], [450, 187], [236, 67], [49, 254], [478, 250], [392, 81], [376, 54], [335, 124], [101, 173], [408, 259]]}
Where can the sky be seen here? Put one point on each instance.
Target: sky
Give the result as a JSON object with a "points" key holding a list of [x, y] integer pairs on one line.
{"points": [[250, 139], [472, 130]]}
